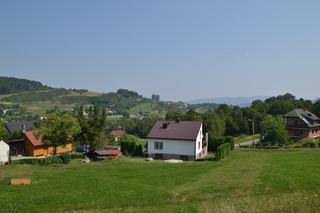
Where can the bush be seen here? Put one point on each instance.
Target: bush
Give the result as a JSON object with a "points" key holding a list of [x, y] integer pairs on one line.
{"points": [[215, 142], [65, 157], [297, 145], [223, 151], [308, 143], [77, 155], [130, 148], [138, 151], [40, 161], [230, 140]]}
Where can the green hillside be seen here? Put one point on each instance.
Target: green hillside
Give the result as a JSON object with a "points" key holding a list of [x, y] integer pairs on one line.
{"points": [[27, 99], [9, 85]]}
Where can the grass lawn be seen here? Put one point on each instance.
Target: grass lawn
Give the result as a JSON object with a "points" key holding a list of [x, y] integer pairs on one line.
{"points": [[245, 182], [245, 138]]}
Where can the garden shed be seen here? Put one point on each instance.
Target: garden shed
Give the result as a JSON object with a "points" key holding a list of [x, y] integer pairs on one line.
{"points": [[4, 153]]}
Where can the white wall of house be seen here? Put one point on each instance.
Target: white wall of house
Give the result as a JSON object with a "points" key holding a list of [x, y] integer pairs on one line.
{"points": [[177, 147], [4, 153], [199, 141]]}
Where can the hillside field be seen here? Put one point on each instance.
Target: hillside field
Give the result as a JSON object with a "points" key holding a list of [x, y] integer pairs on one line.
{"points": [[246, 182]]}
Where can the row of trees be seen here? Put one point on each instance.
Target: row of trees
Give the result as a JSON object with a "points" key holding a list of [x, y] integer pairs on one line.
{"points": [[233, 121], [267, 116]]}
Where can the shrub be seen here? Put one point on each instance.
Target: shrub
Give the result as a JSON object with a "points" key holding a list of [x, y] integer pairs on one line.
{"points": [[40, 161], [308, 143], [297, 145], [77, 155], [128, 148], [230, 140], [215, 142], [223, 151], [65, 157], [138, 150]]}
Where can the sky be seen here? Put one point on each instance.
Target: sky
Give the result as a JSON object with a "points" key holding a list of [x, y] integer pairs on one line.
{"points": [[180, 49]]}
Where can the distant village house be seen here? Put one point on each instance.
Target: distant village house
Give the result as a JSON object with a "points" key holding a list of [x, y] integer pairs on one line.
{"points": [[17, 146], [301, 123], [118, 133]]}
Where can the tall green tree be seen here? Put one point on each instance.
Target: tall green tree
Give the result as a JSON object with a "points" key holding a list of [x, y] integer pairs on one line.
{"points": [[58, 130], [93, 128], [3, 133], [274, 130], [316, 108]]}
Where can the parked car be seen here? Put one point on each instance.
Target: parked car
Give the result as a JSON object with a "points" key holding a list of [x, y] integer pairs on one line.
{"points": [[82, 149]]}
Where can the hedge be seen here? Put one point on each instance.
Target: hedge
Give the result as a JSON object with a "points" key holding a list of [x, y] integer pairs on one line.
{"points": [[230, 140], [130, 148], [215, 142], [64, 158], [223, 151]]}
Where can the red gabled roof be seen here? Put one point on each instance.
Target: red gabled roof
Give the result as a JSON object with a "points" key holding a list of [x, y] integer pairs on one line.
{"points": [[118, 132], [35, 141]]}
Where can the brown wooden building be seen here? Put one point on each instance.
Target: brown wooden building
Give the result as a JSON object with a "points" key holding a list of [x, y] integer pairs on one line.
{"points": [[35, 146], [302, 123]]}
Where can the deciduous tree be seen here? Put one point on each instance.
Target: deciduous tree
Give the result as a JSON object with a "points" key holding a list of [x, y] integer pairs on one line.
{"points": [[58, 130]]}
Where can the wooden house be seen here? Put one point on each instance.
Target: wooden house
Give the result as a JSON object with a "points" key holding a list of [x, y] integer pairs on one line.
{"points": [[35, 146]]}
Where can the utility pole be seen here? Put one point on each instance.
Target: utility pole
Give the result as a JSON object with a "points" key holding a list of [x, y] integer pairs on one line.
{"points": [[252, 121]]}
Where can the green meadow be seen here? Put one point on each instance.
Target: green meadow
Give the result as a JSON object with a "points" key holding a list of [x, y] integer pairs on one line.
{"points": [[270, 181]]}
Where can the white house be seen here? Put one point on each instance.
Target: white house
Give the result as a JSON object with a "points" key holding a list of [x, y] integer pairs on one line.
{"points": [[185, 140], [4, 153]]}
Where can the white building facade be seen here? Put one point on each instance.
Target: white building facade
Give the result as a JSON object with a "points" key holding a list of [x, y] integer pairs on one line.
{"points": [[4, 153], [185, 140]]}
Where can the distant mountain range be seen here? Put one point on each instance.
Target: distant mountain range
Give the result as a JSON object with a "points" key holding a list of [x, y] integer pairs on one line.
{"points": [[238, 101]]}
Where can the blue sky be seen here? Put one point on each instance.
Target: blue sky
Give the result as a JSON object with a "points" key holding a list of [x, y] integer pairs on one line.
{"points": [[180, 49]]}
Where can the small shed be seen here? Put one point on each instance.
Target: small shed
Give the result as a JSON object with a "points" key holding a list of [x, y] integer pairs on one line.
{"points": [[4, 153], [107, 155]]}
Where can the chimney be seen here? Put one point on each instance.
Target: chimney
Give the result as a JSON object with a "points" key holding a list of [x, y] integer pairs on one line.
{"points": [[24, 128], [165, 125]]}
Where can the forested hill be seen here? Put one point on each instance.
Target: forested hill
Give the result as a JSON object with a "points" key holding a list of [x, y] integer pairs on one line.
{"points": [[9, 85]]}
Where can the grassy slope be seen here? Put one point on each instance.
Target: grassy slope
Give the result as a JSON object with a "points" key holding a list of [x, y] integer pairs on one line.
{"points": [[245, 138], [247, 181], [40, 108], [144, 107]]}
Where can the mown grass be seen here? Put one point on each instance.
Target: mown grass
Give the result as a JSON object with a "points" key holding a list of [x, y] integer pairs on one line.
{"points": [[245, 182]]}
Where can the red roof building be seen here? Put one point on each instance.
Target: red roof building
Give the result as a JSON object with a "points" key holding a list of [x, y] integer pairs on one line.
{"points": [[35, 146], [118, 133]]}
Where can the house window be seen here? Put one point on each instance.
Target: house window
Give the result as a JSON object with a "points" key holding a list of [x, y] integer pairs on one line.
{"points": [[158, 145], [199, 145]]}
